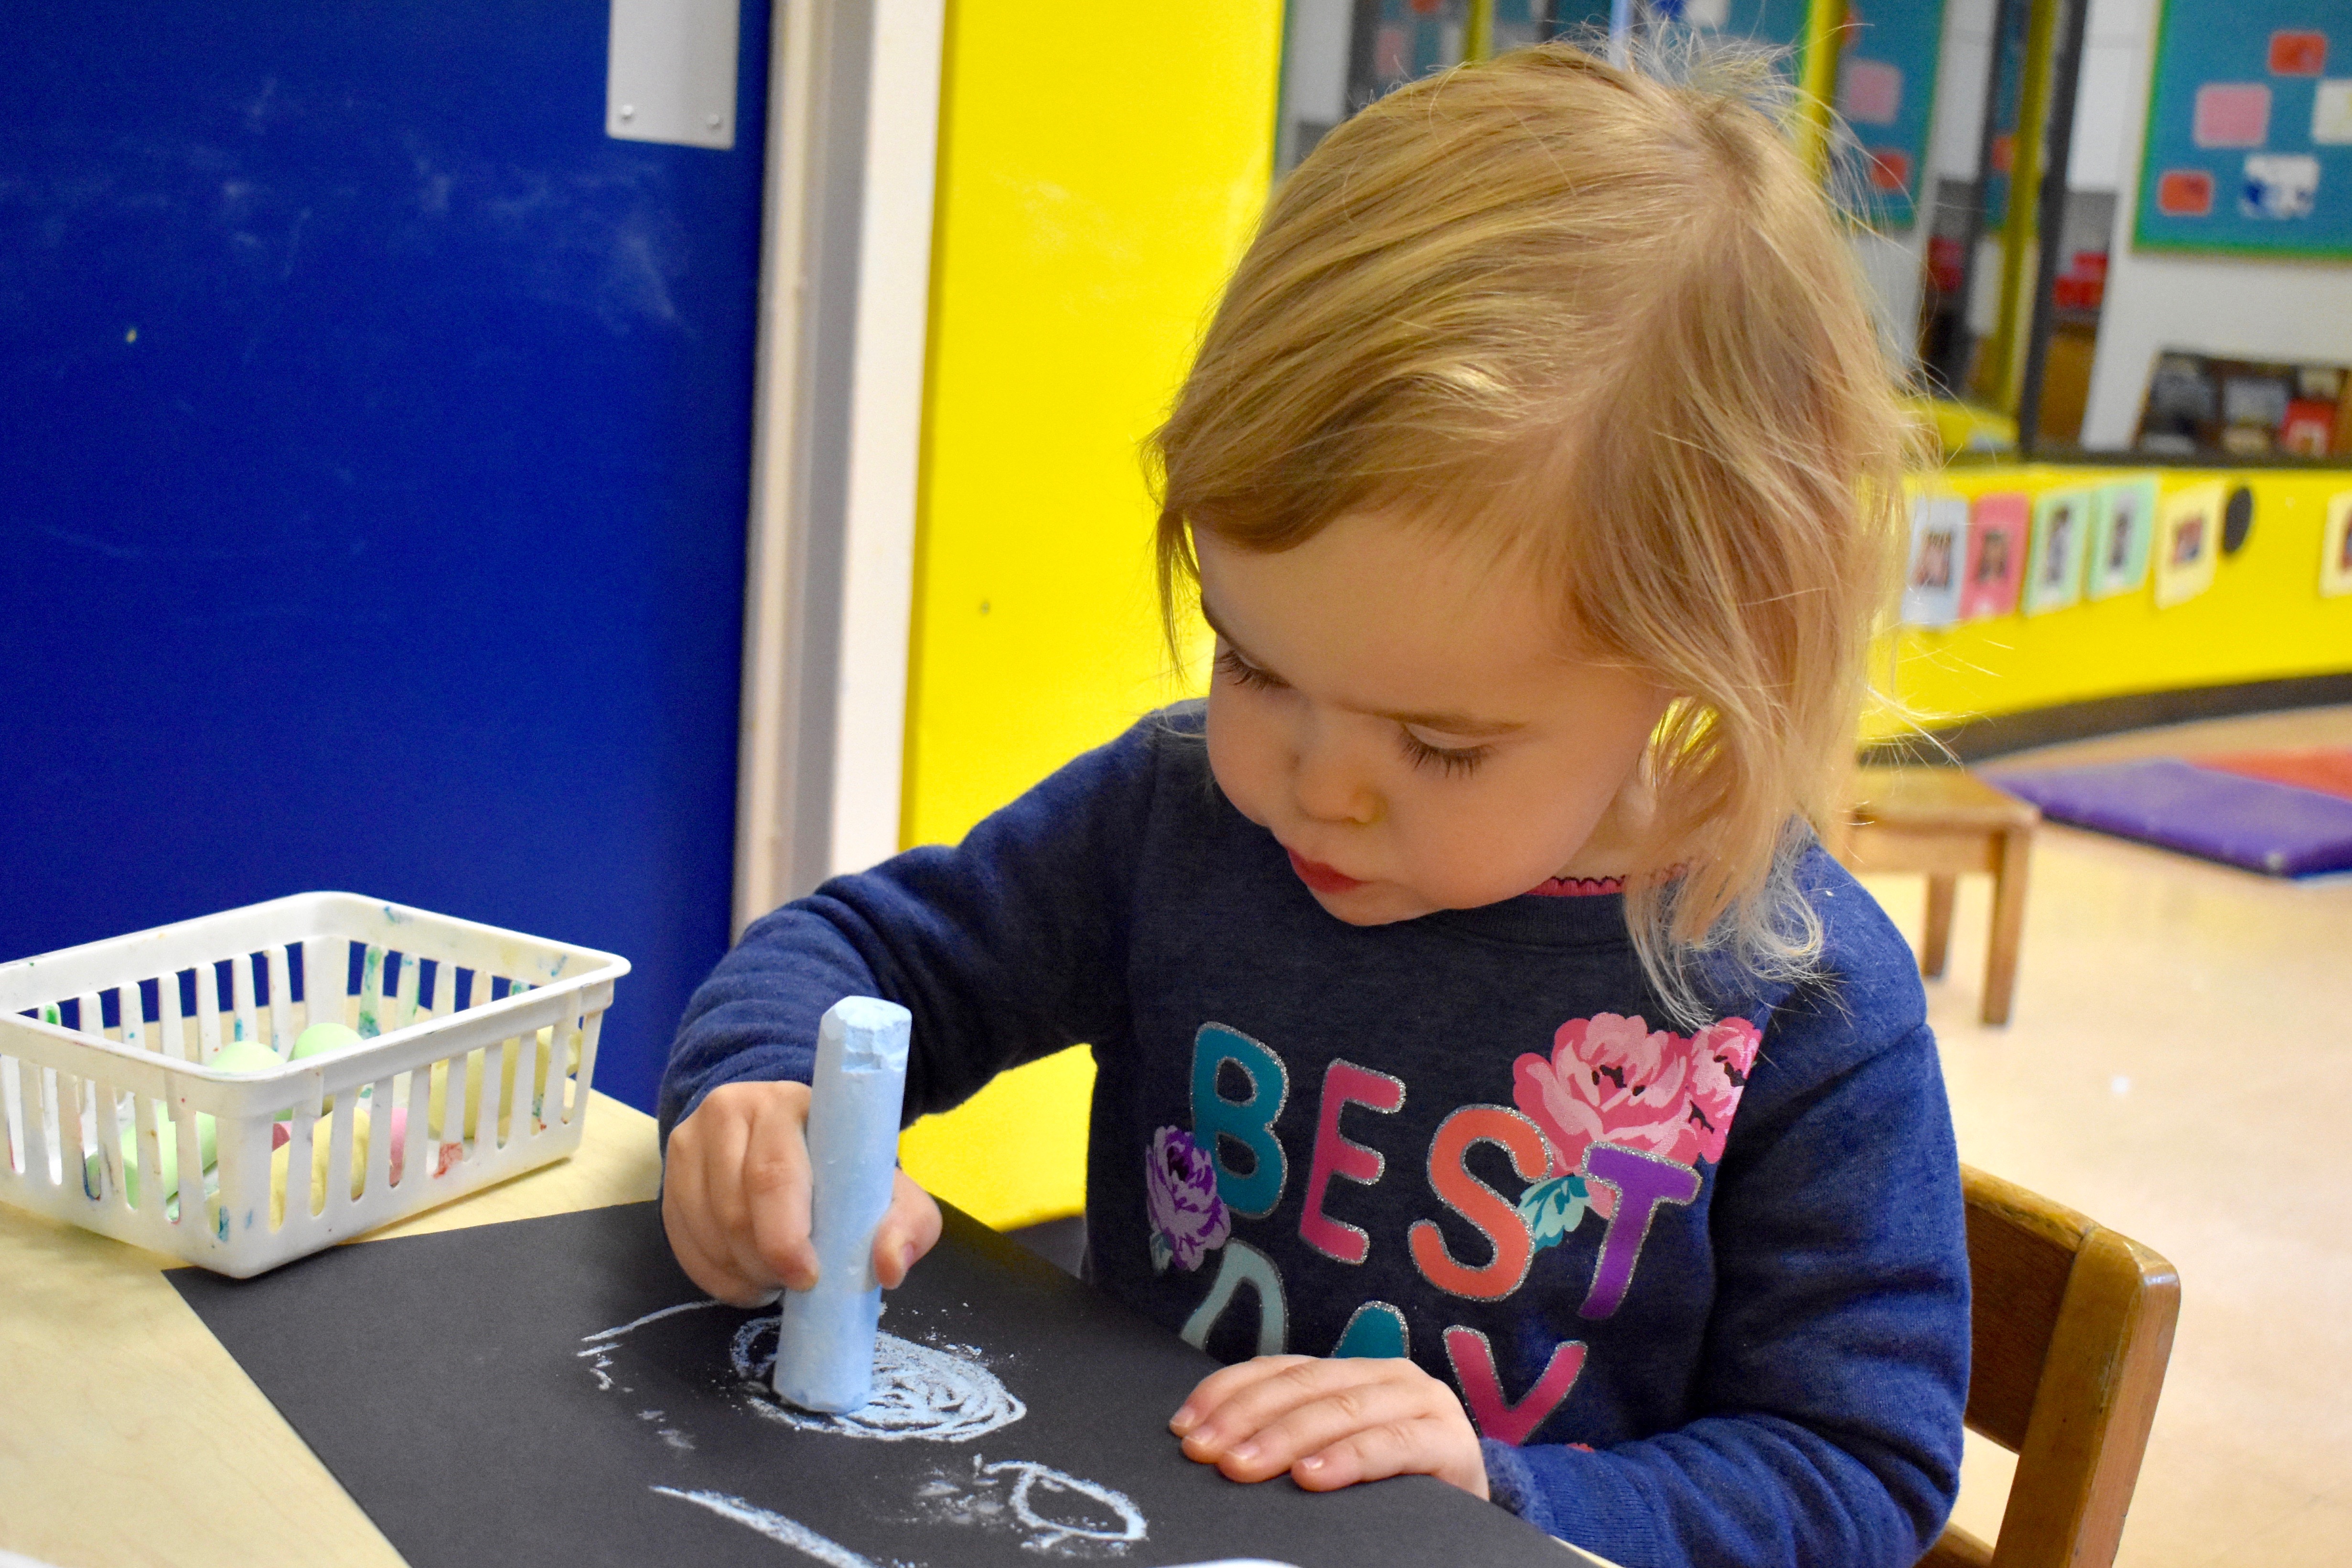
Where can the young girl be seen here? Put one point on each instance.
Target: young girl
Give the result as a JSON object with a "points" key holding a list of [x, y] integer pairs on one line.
{"points": [[1490, 1065]]}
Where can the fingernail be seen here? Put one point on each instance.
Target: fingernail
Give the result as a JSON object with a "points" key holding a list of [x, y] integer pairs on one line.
{"points": [[906, 1258], [1183, 1421], [1245, 1451], [1315, 1463]]}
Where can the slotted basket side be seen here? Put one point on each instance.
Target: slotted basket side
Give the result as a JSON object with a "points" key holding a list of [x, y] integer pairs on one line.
{"points": [[463, 1054]]}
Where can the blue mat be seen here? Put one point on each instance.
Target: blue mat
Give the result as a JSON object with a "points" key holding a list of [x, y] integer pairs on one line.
{"points": [[2276, 829]]}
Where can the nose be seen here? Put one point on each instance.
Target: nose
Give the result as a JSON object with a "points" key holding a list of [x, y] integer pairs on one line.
{"points": [[1328, 776]]}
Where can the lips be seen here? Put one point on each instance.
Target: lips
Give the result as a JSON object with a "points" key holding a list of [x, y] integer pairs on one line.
{"points": [[1319, 877]]}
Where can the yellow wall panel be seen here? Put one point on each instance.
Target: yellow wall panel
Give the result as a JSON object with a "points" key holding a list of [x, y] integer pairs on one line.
{"points": [[1099, 176], [2262, 619]]}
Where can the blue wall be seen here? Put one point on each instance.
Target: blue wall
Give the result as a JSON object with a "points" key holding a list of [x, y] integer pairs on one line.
{"points": [[373, 441]]}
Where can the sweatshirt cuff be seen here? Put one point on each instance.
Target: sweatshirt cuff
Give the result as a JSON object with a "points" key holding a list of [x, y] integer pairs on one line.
{"points": [[1512, 1485], [1574, 1494]]}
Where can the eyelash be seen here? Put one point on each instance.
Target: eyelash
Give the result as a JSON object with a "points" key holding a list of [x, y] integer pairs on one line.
{"points": [[1243, 673], [1450, 762]]}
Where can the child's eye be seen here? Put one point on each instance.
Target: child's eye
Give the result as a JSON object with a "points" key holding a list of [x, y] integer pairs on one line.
{"points": [[1452, 760], [1241, 672]]}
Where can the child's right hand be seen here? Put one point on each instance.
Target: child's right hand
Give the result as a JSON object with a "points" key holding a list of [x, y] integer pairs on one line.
{"points": [[735, 1198]]}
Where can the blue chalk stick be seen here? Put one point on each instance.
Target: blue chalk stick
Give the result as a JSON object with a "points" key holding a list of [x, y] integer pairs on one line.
{"points": [[824, 1345]]}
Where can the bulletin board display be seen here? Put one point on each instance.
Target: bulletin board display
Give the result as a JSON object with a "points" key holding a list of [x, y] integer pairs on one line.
{"points": [[2008, 104], [2249, 141], [1886, 95]]}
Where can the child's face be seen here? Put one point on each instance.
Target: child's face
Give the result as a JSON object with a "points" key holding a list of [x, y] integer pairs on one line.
{"points": [[1413, 723]]}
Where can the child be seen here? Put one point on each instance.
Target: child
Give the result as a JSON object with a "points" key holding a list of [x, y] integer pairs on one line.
{"points": [[1490, 1065]]}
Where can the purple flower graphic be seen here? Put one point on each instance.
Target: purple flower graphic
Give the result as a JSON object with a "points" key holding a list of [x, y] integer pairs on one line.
{"points": [[1188, 1218]]}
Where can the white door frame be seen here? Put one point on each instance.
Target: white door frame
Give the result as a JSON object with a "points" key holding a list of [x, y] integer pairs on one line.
{"points": [[845, 307]]}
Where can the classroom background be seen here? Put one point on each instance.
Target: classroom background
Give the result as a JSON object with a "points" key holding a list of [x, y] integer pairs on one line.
{"points": [[599, 471]]}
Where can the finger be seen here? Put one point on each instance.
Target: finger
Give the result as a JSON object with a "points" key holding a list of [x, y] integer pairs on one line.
{"points": [[681, 1203], [772, 1245], [725, 1222], [1277, 1385], [697, 1234], [909, 1230], [1426, 1445], [1212, 1391], [1307, 1427]]}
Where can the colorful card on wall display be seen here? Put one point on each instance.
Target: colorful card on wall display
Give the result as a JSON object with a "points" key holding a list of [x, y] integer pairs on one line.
{"points": [[2125, 521], [1996, 564], [2249, 139], [2188, 543], [2063, 522], [1939, 548], [2335, 547], [1887, 93]]}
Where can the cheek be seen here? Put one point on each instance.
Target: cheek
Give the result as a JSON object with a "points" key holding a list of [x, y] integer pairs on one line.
{"points": [[1476, 845], [1243, 751]]}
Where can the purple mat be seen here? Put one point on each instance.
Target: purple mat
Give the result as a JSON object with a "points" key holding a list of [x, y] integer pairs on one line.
{"points": [[2254, 823]]}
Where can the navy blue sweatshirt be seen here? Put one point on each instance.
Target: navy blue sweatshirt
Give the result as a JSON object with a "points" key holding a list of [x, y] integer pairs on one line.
{"points": [[1704, 1295]]}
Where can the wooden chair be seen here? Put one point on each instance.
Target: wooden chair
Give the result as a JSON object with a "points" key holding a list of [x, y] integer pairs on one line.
{"points": [[1947, 822], [2072, 1326]]}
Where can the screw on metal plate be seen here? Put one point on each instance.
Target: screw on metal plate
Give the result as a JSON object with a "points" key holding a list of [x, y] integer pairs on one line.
{"points": [[713, 120], [628, 111]]}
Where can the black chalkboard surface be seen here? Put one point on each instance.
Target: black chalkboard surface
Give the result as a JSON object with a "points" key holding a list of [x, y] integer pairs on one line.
{"points": [[554, 1391]]}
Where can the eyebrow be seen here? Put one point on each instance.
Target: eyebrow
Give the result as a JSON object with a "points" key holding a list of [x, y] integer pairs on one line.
{"points": [[1449, 723]]}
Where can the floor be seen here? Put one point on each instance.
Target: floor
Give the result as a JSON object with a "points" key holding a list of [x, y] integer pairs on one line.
{"points": [[2181, 1029]]}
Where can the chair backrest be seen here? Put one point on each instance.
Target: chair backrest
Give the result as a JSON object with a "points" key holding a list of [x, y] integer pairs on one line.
{"points": [[2071, 1326]]}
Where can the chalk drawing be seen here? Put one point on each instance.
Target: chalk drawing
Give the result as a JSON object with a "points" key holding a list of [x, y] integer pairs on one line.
{"points": [[1054, 1511], [676, 1440], [791, 1532], [937, 1395], [599, 1354], [602, 1334], [1049, 1531]]}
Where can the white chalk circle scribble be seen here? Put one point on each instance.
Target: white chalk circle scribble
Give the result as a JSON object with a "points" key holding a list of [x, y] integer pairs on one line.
{"points": [[1053, 1512], [918, 1391], [1033, 1486]]}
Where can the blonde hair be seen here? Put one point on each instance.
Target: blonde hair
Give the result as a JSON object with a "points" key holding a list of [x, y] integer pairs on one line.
{"points": [[1613, 317]]}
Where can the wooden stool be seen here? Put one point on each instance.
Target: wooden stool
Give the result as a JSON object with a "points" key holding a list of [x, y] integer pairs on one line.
{"points": [[1947, 822]]}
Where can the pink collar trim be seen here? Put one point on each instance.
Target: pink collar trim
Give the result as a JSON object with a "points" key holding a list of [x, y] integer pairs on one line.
{"points": [[1577, 886]]}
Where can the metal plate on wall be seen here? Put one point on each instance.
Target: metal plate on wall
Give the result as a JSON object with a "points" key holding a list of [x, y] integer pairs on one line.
{"points": [[669, 75]]}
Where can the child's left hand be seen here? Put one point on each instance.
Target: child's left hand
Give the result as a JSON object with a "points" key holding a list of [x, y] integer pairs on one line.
{"points": [[1330, 1422]]}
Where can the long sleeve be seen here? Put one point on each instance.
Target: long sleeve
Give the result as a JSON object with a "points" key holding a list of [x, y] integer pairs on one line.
{"points": [[1005, 948], [1830, 1388]]}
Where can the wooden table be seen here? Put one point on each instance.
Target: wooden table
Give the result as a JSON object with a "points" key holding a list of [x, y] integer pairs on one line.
{"points": [[127, 1435], [1947, 822]]}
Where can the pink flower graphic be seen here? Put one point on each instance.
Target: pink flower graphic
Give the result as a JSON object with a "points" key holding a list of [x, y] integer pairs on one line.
{"points": [[1617, 1080], [1722, 1055], [1187, 1220]]}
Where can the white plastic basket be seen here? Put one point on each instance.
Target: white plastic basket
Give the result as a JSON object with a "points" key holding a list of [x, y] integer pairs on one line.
{"points": [[487, 1062]]}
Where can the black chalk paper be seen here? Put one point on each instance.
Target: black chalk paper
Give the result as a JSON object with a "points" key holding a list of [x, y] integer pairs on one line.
{"points": [[556, 1392]]}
